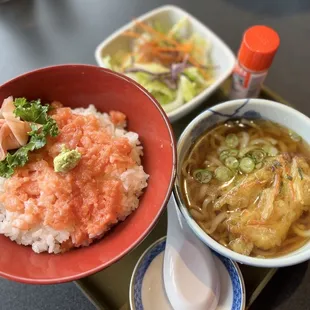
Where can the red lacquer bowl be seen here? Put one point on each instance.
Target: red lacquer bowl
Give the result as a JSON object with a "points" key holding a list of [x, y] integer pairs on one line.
{"points": [[79, 86]]}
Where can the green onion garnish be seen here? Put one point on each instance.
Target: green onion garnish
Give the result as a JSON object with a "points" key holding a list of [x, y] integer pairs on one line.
{"points": [[226, 153], [247, 165], [231, 162], [223, 174], [232, 140], [202, 175], [258, 156]]}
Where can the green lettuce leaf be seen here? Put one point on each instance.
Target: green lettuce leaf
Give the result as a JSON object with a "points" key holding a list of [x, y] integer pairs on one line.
{"points": [[158, 87], [158, 26], [187, 88], [202, 50], [194, 75], [176, 103], [140, 77], [162, 93], [107, 62], [152, 67], [178, 30]]}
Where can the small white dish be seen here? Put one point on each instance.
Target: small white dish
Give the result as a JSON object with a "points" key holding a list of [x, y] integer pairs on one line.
{"points": [[147, 291], [168, 15], [251, 109]]}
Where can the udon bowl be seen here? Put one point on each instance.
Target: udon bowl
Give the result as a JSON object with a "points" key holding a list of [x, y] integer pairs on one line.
{"points": [[79, 86], [251, 109]]}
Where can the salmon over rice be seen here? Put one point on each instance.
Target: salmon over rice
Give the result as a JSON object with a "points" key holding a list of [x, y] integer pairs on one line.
{"points": [[56, 211]]}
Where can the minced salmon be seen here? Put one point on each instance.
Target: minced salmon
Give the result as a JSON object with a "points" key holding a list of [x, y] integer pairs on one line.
{"points": [[86, 200]]}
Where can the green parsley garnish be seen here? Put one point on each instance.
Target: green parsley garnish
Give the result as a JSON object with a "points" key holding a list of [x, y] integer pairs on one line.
{"points": [[35, 113]]}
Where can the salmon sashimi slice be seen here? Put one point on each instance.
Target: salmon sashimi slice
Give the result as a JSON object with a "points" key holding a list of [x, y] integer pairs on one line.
{"points": [[13, 131]]}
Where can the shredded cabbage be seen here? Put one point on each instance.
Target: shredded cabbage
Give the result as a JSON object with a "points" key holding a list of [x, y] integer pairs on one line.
{"points": [[153, 67], [188, 88], [194, 75], [159, 90], [176, 103], [178, 29], [110, 63], [202, 50], [106, 60]]}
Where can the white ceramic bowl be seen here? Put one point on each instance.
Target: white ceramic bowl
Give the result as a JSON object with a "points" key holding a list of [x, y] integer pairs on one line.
{"points": [[246, 108], [169, 15]]}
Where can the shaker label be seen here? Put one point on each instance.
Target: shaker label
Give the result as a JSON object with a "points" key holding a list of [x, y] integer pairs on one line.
{"points": [[246, 84], [241, 77]]}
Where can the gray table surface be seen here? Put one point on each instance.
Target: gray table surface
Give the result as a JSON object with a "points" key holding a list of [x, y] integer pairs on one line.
{"points": [[36, 33]]}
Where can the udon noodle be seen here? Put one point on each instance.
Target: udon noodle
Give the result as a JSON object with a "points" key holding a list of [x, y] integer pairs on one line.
{"points": [[247, 184]]}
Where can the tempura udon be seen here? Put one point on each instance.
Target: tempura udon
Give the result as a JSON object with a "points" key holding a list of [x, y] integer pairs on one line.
{"points": [[247, 184]]}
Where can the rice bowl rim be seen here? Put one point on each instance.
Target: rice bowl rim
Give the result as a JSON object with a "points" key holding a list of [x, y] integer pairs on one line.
{"points": [[160, 210]]}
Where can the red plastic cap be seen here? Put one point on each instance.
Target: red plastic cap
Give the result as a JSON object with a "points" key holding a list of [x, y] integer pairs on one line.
{"points": [[258, 47]]}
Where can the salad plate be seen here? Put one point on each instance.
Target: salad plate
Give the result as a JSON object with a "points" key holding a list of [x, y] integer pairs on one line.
{"points": [[193, 62]]}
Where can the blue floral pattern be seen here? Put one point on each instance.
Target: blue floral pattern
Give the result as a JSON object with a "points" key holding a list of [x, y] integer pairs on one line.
{"points": [[232, 268], [231, 115], [145, 263], [217, 117], [237, 284]]}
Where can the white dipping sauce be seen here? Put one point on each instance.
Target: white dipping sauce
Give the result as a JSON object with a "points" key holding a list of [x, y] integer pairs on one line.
{"points": [[153, 290]]}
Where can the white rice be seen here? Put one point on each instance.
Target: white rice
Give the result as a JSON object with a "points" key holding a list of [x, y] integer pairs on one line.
{"points": [[44, 238]]}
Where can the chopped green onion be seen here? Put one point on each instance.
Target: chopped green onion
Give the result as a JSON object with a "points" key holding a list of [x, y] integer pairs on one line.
{"points": [[231, 162], [233, 152], [247, 165], [258, 156], [246, 150], [223, 174], [294, 136], [232, 140], [226, 153], [202, 175], [271, 150], [259, 165]]}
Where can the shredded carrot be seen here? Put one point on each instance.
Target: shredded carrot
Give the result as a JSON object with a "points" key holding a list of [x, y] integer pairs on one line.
{"points": [[168, 49], [196, 64], [131, 34], [150, 29], [188, 47], [163, 48]]}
